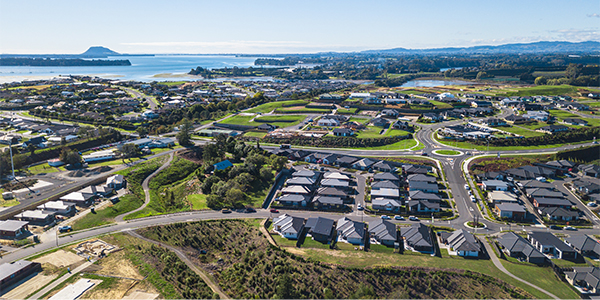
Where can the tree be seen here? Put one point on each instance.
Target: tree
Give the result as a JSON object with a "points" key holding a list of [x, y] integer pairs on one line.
{"points": [[285, 288], [70, 157], [128, 151], [31, 148], [184, 136], [234, 197], [541, 80], [265, 174], [142, 131]]}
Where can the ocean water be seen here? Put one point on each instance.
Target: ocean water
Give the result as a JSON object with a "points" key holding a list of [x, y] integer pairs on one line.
{"points": [[433, 83], [143, 68]]}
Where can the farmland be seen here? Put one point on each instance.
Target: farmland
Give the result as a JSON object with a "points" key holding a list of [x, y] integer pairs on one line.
{"points": [[268, 107]]}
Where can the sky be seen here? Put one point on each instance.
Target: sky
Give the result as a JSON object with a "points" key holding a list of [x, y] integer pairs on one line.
{"points": [[253, 27]]}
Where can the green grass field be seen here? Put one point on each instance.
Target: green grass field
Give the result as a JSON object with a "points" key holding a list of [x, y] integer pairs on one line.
{"points": [[301, 110], [401, 145], [351, 110], [359, 120], [470, 146], [447, 152], [198, 201], [257, 134], [171, 83], [543, 277], [106, 215], [239, 120], [440, 105], [521, 131], [539, 90], [268, 107], [370, 132], [286, 118], [395, 132]]}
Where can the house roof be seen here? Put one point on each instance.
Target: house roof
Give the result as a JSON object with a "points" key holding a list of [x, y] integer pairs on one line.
{"points": [[334, 182], [12, 225], [461, 240], [365, 162], [383, 165], [547, 238], [328, 200], [553, 201], [496, 183], [304, 173], [300, 181], [77, 196], [511, 207], [422, 185], [383, 192], [336, 175], [9, 269], [420, 195], [425, 203], [417, 235], [515, 243], [350, 229], [527, 184], [35, 214], [383, 230], [294, 225], [384, 184], [385, 202], [320, 225], [331, 191], [223, 165], [292, 198], [296, 189], [421, 177], [584, 243], [541, 192], [346, 160], [559, 212], [385, 176]]}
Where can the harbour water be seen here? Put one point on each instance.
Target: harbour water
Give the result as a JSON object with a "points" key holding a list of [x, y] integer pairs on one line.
{"points": [[433, 83], [143, 68]]}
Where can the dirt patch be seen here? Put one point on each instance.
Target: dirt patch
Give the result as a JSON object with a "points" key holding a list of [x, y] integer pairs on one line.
{"points": [[89, 172], [19, 185], [194, 154], [141, 295], [32, 284], [116, 290], [94, 247], [117, 265], [60, 258]]}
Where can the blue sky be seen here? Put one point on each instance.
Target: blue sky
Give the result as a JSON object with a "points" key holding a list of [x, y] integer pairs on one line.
{"points": [[130, 26]]}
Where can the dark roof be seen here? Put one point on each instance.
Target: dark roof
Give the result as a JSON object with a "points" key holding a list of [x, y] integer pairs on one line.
{"points": [[9, 269], [383, 230], [346, 160], [541, 192], [421, 177], [320, 225], [385, 176], [528, 184], [417, 185], [515, 243], [584, 243], [331, 191], [328, 200], [420, 195], [547, 238], [343, 130], [383, 165], [417, 235], [384, 184], [511, 207], [461, 240], [559, 212], [553, 201]]}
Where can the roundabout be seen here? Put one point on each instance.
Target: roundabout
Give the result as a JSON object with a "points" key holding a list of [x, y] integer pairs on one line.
{"points": [[448, 152]]}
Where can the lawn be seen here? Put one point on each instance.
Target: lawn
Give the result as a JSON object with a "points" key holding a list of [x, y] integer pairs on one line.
{"points": [[561, 115], [106, 215], [301, 110], [447, 152], [239, 120], [268, 107], [359, 120], [370, 132], [281, 121], [470, 146], [257, 134], [395, 132], [198, 201], [42, 168], [543, 277], [351, 110], [440, 105], [401, 145], [539, 90], [521, 131], [171, 83], [7, 203], [361, 259]]}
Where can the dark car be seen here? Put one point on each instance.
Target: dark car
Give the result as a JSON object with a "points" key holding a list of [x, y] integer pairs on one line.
{"points": [[250, 210], [274, 210], [65, 229], [226, 210], [555, 227], [424, 154]]}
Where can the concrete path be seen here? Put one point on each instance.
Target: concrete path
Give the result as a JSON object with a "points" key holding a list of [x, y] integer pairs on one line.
{"points": [[213, 286], [266, 233], [145, 183], [54, 284], [499, 265]]}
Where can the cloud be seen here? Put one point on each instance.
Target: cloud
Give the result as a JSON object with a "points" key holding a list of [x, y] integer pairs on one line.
{"points": [[577, 35], [594, 15]]}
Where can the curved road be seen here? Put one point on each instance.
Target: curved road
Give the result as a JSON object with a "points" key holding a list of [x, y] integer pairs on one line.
{"points": [[145, 183]]}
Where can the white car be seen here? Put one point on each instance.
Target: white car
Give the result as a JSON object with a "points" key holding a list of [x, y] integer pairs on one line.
{"points": [[413, 218], [473, 198], [360, 207], [399, 218], [467, 187], [592, 204], [386, 217]]}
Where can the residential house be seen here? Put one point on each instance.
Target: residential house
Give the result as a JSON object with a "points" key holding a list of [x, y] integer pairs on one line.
{"points": [[343, 132], [386, 184], [11, 273], [403, 125], [416, 169], [321, 229], [585, 277], [384, 232], [334, 192], [574, 121], [553, 129], [350, 231], [502, 197], [563, 165], [288, 226], [336, 175], [392, 113], [223, 165], [464, 243], [59, 207], [11, 229], [432, 117], [423, 206], [321, 158], [386, 176], [537, 115], [420, 195], [385, 193], [494, 122], [494, 185], [79, 198], [307, 174], [36, 217], [327, 202], [383, 166], [384, 204], [380, 122], [541, 202], [590, 170], [97, 190], [363, 164], [578, 106], [516, 120], [559, 213], [116, 181], [300, 181], [345, 161], [511, 211], [531, 184], [293, 200], [548, 243], [423, 186], [421, 177], [418, 237], [328, 122], [492, 175], [296, 190], [266, 127], [336, 183], [585, 245], [516, 246]]}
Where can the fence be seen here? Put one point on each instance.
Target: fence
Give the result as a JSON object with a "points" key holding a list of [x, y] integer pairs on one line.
{"points": [[278, 182]]}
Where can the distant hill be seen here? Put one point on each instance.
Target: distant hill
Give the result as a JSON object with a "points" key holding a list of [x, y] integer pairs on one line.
{"points": [[98, 51], [537, 47]]}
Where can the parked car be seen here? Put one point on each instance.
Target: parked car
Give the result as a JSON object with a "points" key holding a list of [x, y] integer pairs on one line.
{"points": [[226, 210], [274, 211], [592, 204], [399, 218], [360, 207], [467, 187], [413, 218], [570, 228], [386, 217], [555, 227], [473, 198], [65, 229], [250, 210]]}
